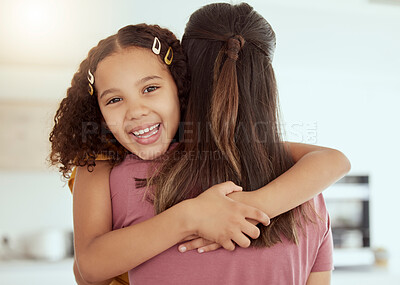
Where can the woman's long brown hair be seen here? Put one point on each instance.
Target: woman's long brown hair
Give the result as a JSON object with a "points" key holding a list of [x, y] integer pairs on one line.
{"points": [[231, 129]]}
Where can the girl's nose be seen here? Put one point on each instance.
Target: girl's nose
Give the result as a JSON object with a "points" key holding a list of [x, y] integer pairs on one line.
{"points": [[137, 109]]}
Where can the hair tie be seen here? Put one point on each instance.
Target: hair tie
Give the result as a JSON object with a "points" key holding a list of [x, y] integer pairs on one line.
{"points": [[235, 44]]}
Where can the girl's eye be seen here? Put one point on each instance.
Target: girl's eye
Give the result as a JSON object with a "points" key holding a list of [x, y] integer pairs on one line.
{"points": [[114, 100], [150, 89]]}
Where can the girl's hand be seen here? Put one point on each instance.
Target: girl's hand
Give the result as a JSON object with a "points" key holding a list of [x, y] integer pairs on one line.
{"points": [[199, 243], [219, 219], [245, 197], [204, 245]]}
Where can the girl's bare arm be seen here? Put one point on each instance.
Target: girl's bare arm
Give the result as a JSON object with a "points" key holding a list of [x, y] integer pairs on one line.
{"points": [[102, 253], [314, 170], [80, 281], [97, 247]]}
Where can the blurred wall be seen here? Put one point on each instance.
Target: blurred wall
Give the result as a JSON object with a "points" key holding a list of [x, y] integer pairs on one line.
{"points": [[336, 64]]}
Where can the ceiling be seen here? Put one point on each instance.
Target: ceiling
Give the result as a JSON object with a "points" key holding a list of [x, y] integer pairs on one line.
{"points": [[60, 33]]}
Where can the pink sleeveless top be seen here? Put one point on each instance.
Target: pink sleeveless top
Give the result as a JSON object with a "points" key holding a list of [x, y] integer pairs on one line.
{"points": [[285, 263]]}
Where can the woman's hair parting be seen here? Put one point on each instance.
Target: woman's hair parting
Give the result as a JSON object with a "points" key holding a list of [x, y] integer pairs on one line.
{"points": [[79, 134], [232, 125]]}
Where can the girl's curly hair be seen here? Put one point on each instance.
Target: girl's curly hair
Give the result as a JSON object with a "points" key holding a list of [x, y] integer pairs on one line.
{"points": [[79, 134]]}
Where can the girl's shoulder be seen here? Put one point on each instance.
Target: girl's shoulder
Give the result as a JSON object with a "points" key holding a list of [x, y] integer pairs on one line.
{"points": [[134, 165], [131, 164], [123, 177]]}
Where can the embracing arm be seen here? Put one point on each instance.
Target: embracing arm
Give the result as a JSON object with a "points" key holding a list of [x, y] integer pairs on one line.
{"points": [[80, 281], [314, 170], [102, 253]]}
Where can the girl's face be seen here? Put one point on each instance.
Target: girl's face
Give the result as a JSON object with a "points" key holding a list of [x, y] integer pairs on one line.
{"points": [[139, 101]]}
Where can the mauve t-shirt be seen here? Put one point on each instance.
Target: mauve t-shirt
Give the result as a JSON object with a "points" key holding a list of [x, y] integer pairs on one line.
{"points": [[285, 263]]}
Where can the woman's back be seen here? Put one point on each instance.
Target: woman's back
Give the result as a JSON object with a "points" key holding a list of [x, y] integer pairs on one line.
{"points": [[284, 263]]}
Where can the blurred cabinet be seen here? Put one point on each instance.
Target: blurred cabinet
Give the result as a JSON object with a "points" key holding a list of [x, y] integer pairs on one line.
{"points": [[348, 205], [24, 134]]}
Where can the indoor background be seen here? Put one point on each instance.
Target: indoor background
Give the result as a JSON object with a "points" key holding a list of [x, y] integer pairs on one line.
{"points": [[337, 66]]}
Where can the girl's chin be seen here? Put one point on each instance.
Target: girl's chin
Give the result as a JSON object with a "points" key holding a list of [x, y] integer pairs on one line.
{"points": [[151, 154]]}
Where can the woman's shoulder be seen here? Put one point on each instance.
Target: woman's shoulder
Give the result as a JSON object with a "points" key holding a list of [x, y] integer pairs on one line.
{"points": [[319, 205], [318, 213]]}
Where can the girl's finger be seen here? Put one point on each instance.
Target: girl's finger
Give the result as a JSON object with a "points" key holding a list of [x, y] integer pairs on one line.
{"points": [[257, 215], [241, 240], [191, 237], [208, 248], [250, 230], [228, 187], [194, 244], [228, 245]]}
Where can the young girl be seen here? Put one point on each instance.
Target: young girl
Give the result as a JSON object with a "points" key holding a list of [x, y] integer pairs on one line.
{"points": [[137, 96]]}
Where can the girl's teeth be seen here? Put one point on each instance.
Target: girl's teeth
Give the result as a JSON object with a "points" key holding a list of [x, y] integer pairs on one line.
{"points": [[145, 137], [146, 130]]}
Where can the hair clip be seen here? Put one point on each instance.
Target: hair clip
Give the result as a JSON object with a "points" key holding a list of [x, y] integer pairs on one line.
{"points": [[156, 49], [91, 91], [170, 53], [90, 78]]}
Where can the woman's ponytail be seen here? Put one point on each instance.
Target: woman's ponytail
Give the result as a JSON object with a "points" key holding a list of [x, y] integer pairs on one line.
{"points": [[225, 101]]}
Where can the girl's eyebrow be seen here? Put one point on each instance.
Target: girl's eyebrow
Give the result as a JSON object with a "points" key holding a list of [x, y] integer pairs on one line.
{"points": [[140, 81], [147, 78], [111, 90]]}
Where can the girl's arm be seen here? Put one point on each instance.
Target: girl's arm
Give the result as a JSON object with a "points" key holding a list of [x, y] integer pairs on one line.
{"points": [[80, 281], [319, 278], [102, 253], [314, 170]]}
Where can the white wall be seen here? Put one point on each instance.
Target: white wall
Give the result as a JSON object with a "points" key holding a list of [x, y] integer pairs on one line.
{"points": [[339, 68], [32, 201], [336, 63]]}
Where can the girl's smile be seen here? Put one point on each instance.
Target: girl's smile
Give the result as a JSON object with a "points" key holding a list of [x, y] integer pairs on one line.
{"points": [[138, 99], [147, 135]]}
